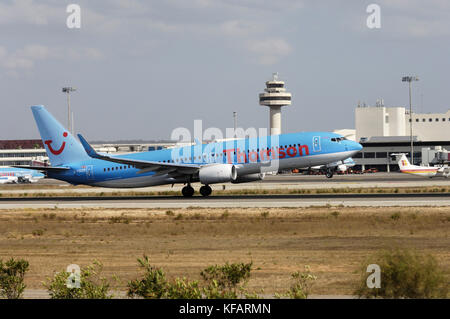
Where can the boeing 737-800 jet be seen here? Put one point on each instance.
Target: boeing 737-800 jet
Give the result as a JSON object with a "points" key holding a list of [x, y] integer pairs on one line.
{"points": [[235, 161]]}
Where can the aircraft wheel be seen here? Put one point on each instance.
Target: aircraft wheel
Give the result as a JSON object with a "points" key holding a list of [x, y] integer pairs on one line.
{"points": [[205, 190], [187, 191], [329, 173]]}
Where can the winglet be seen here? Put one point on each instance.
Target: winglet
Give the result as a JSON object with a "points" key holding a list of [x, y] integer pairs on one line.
{"points": [[87, 147]]}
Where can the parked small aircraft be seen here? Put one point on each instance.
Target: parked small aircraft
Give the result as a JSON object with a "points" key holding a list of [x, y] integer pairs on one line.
{"points": [[427, 171]]}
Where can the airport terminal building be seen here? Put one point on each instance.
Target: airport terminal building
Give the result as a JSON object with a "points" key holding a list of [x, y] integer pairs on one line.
{"points": [[385, 130]]}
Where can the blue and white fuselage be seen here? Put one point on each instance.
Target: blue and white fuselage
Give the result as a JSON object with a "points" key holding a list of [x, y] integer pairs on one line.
{"points": [[19, 175], [239, 160]]}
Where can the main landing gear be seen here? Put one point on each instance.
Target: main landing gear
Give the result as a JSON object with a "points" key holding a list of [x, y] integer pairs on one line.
{"points": [[205, 190], [188, 191]]}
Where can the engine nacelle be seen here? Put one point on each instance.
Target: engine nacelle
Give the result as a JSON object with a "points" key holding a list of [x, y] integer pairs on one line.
{"points": [[249, 178], [217, 173]]}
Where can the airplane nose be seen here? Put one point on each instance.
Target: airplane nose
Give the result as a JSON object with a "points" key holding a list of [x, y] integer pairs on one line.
{"points": [[354, 147]]}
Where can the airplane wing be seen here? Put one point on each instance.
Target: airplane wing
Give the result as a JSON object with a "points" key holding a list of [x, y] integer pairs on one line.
{"points": [[145, 166], [43, 168]]}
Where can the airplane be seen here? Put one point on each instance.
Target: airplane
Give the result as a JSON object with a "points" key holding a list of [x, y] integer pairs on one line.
{"points": [[427, 171], [236, 161], [331, 168], [9, 175]]}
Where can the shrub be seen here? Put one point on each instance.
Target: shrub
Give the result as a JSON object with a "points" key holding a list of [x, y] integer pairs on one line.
{"points": [[169, 213], [219, 282], [405, 274], [12, 273], [183, 289], [38, 232], [152, 286], [224, 281], [265, 214], [335, 214], [301, 287], [92, 285], [225, 215]]}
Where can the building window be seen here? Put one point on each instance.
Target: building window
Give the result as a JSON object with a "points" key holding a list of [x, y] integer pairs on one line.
{"points": [[443, 119], [437, 120], [430, 120], [417, 120], [369, 155], [423, 120], [408, 121], [381, 154]]}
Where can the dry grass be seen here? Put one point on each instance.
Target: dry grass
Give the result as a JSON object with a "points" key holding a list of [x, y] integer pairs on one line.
{"points": [[279, 241], [69, 191]]}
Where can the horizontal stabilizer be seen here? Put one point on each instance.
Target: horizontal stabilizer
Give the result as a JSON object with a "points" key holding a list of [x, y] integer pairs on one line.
{"points": [[43, 168]]}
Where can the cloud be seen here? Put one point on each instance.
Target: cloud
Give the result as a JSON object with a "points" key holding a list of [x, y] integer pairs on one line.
{"points": [[269, 50], [243, 24], [28, 12], [26, 57]]}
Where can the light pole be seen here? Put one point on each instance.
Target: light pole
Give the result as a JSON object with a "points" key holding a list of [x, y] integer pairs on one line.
{"points": [[409, 79], [68, 90], [235, 121]]}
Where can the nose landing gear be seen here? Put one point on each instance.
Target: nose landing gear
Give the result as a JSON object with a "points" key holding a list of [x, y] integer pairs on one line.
{"points": [[329, 173]]}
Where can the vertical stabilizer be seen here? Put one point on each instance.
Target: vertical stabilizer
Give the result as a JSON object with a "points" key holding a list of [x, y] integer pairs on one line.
{"points": [[62, 148]]}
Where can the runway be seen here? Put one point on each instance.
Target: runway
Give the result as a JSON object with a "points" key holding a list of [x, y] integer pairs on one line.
{"points": [[244, 201]]}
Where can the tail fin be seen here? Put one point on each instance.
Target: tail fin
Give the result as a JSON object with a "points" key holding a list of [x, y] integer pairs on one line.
{"points": [[403, 162], [62, 148]]}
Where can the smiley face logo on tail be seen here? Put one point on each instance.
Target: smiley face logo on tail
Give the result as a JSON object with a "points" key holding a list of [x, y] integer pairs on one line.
{"points": [[56, 152]]}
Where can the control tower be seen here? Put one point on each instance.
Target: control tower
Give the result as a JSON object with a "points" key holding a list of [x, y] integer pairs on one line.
{"points": [[275, 96]]}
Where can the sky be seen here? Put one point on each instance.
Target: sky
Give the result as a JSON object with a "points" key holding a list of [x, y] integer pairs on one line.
{"points": [[144, 68]]}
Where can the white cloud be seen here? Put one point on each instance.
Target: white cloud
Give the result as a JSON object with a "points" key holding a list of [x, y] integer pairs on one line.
{"points": [[26, 57], [269, 50], [238, 22], [28, 12]]}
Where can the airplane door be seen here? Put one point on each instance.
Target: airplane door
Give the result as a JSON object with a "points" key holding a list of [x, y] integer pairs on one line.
{"points": [[90, 172], [316, 143]]}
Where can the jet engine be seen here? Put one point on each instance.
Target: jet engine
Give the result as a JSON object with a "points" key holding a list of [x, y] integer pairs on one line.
{"points": [[217, 173], [249, 178]]}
